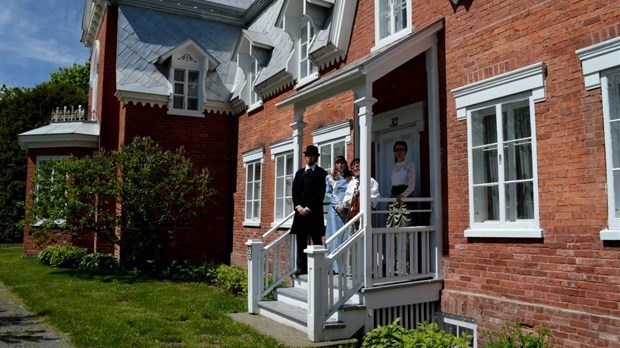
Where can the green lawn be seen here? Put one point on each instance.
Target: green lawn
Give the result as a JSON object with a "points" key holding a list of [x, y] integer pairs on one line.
{"points": [[127, 311]]}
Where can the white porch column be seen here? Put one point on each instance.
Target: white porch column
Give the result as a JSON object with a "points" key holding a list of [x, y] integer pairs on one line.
{"points": [[255, 247], [298, 137], [364, 116], [317, 291]]}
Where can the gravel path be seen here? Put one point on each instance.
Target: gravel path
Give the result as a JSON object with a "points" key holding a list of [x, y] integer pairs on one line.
{"points": [[22, 328]]}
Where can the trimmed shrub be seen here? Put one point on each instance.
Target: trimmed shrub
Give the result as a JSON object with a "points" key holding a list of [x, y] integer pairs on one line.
{"points": [[99, 263], [64, 256], [186, 271], [426, 335], [513, 336], [232, 279]]}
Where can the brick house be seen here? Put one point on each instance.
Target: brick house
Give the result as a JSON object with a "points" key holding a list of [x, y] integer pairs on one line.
{"points": [[510, 111]]}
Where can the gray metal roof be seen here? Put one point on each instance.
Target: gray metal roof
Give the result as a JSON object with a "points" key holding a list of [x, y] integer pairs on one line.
{"points": [[144, 35], [61, 134]]}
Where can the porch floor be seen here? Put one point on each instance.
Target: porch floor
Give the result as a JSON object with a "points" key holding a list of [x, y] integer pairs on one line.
{"points": [[284, 334]]}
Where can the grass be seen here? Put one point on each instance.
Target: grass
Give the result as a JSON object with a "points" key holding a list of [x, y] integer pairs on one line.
{"points": [[127, 310]]}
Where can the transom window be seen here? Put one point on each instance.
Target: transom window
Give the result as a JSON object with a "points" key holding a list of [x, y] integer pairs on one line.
{"points": [[502, 165], [306, 67], [185, 89], [284, 185]]}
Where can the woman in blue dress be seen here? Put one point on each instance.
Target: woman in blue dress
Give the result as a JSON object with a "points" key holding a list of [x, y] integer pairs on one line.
{"points": [[336, 186]]}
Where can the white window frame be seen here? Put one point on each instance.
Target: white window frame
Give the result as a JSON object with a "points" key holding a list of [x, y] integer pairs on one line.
{"points": [[282, 149], [463, 324], [251, 159], [308, 71], [394, 35], [255, 100], [185, 95], [328, 136], [600, 62], [39, 161], [94, 80], [526, 83]]}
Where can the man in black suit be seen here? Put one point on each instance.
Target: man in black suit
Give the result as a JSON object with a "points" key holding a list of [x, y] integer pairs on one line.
{"points": [[308, 194]]}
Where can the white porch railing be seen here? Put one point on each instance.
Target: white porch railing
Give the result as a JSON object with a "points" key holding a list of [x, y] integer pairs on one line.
{"points": [[408, 253], [270, 266]]}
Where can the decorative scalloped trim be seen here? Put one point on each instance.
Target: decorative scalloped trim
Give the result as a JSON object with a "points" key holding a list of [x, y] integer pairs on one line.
{"points": [[275, 84]]}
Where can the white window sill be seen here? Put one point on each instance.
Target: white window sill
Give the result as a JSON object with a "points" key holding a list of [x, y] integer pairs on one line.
{"points": [[613, 234], [255, 106], [387, 41], [251, 223], [284, 225], [307, 80], [504, 233], [181, 112]]}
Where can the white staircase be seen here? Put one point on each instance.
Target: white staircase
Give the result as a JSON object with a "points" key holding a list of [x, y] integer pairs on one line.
{"points": [[291, 308]]}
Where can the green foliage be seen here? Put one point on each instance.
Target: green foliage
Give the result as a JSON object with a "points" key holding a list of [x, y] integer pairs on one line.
{"points": [[77, 75], [23, 109], [187, 272], [513, 336], [63, 256], [232, 279], [97, 263], [426, 335], [158, 189]]}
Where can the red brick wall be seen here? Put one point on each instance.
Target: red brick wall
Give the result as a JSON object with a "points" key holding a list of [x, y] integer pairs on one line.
{"points": [[569, 280], [210, 143]]}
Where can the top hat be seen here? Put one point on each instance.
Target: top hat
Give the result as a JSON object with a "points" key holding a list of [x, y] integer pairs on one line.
{"points": [[312, 150]]}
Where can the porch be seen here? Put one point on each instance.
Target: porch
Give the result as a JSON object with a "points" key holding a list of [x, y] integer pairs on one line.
{"points": [[385, 273]]}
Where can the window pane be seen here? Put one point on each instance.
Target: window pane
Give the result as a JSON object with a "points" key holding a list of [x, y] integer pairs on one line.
{"points": [[248, 210], [339, 148], [485, 165], [256, 194], [289, 186], [486, 203], [384, 19], [518, 161], [288, 208], [614, 98], [256, 210], [326, 156], [615, 143], [178, 103], [400, 15], [192, 89], [257, 168], [248, 192], [519, 201], [516, 120], [192, 77], [179, 75], [280, 166], [179, 88], [289, 164], [192, 104], [279, 209], [250, 173], [279, 187], [484, 127]]}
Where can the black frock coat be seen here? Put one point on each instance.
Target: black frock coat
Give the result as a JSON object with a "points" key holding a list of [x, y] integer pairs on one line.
{"points": [[309, 191]]}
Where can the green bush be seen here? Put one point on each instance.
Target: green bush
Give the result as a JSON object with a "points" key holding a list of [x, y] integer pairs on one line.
{"points": [[232, 279], [186, 271], [99, 263], [62, 256], [513, 336], [426, 335]]}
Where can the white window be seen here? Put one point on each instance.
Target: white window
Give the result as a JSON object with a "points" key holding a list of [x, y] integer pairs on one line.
{"points": [[185, 92], [601, 68], [306, 37], [501, 134], [94, 80], [42, 159], [282, 155], [253, 163], [254, 68], [393, 21], [332, 141], [460, 327]]}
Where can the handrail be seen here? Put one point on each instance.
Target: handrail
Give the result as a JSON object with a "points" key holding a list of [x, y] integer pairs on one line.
{"points": [[344, 228], [278, 225], [406, 199]]}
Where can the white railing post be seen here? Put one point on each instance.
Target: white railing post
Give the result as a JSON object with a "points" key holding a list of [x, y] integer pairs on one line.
{"points": [[317, 291], [255, 247]]}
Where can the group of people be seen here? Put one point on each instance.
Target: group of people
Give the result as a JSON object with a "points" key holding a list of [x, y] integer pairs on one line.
{"points": [[312, 184]]}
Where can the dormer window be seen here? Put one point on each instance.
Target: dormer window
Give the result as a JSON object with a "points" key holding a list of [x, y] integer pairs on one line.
{"points": [[188, 64], [252, 81], [393, 21], [185, 89], [306, 37], [253, 53]]}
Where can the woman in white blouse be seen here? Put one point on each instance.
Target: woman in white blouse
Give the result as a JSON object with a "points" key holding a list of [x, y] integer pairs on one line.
{"points": [[353, 187], [403, 184]]}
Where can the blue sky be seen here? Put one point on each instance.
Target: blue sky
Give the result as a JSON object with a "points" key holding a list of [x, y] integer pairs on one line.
{"points": [[37, 37]]}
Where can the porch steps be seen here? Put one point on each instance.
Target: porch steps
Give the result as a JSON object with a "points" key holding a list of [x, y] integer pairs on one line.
{"points": [[291, 309]]}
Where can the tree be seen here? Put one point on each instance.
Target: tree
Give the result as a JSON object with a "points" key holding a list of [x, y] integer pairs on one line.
{"points": [[158, 192], [23, 109]]}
